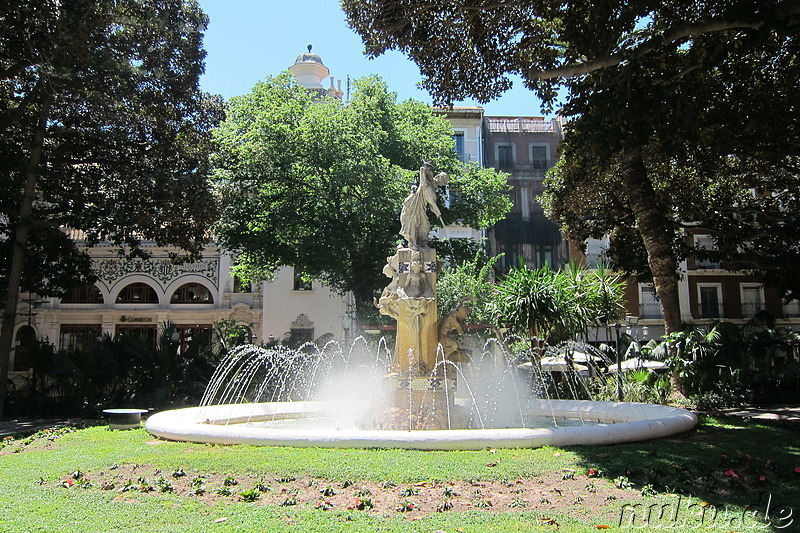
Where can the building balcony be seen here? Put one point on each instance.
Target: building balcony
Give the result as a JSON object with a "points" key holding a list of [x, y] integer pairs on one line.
{"points": [[792, 309], [709, 310], [593, 259], [749, 310], [650, 310]]}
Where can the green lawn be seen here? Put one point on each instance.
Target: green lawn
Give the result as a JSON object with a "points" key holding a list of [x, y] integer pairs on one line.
{"points": [[721, 467]]}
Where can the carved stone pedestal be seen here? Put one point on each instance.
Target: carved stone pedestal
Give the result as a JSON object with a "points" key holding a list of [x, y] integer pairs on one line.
{"points": [[418, 403]]}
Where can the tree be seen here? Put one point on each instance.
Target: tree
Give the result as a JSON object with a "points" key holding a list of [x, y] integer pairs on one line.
{"points": [[103, 130], [471, 281], [733, 173], [478, 44], [316, 184], [616, 59], [549, 306]]}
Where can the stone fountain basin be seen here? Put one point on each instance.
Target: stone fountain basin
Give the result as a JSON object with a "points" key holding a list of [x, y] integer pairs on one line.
{"points": [[605, 423]]}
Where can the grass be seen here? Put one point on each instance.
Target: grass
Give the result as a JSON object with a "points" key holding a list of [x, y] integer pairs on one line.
{"points": [[726, 463]]}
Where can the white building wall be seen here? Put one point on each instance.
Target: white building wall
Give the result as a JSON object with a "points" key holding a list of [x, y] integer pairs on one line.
{"points": [[282, 305]]}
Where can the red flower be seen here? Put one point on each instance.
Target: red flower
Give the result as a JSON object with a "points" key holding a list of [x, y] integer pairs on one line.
{"points": [[797, 470], [762, 477], [731, 473]]}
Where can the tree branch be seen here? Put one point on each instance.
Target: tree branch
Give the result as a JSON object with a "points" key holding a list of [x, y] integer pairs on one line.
{"points": [[676, 34]]}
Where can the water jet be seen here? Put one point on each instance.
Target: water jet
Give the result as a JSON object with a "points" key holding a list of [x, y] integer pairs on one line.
{"points": [[422, 395]]}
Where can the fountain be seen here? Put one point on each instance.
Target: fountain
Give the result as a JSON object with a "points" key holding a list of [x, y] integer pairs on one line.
{"points": [[422, 396]]}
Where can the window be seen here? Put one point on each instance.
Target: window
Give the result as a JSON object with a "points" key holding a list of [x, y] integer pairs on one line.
{"points": [[458, 137], [505, 155], [137, 293], [752, 299], [79, 337], [145, 333], [510, 257], [539, 156], [301, 283], [192, 339], [86, 294], [649, 306], [239, 287], [709, 300], [24, 348], [192, 293], [705, 243], [544, 256]]}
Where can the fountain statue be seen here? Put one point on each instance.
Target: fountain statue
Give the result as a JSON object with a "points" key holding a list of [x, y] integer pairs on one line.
{"points": [[421, 392], [429, 393]]}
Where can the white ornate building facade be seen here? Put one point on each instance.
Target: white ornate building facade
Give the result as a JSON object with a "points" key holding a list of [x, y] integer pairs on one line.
{"points": [[137, 296]]}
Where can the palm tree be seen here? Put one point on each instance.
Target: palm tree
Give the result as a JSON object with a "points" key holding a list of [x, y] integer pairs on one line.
{"points": [[529, 303], [546, 305]]}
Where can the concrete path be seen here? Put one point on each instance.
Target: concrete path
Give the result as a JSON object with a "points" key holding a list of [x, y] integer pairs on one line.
{"points": [[789, 413], [27, 426]]}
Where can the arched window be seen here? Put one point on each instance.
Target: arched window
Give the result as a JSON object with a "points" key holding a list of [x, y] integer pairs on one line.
{"points": [[137, 293], [86, 294], [192, 293], [25, 345]]}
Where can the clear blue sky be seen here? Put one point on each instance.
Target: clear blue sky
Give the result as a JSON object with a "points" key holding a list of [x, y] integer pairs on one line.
{"points": [[248, 40]]}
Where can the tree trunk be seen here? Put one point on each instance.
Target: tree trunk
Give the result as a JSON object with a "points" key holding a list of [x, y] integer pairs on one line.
{"points": [[20, 245], [654, 227]]}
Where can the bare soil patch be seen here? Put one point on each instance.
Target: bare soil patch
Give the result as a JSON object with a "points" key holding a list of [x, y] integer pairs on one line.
{"points": [[558, 492]]}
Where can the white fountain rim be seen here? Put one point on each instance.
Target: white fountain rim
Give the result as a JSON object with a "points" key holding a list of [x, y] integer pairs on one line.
{"points": [[632, 422]]}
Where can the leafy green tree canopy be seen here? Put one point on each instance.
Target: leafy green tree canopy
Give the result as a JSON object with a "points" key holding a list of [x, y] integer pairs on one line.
{"points": [[103, 129], [317, 184], [473, 47]]}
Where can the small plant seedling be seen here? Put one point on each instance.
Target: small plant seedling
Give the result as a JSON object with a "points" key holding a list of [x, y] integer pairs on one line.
{"points": [[409, 491], [328, 492], [323, 505], [622, 482], [446, 505], [518, 503], [229, 481], [361, 504], [198, 486], [178, 473], [164, 485], [223, 491], [250, 495], [288, 502], [406, 506]]}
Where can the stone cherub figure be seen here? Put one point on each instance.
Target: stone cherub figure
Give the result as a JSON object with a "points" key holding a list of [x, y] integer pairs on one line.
{"points": [[389, 297], [417, 285], [414, 224], [453, 322]]}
